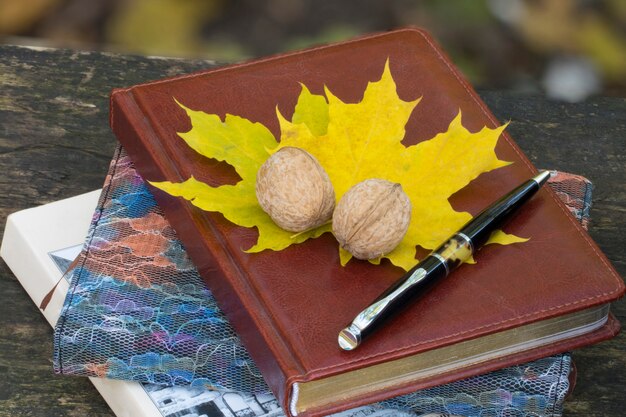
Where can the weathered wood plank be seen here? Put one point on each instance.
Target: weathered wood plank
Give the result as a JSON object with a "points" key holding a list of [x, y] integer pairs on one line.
{"points": [[55, 143]]}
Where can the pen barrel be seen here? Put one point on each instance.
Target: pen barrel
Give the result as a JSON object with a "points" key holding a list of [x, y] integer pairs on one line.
{"points": [[493, 217]]}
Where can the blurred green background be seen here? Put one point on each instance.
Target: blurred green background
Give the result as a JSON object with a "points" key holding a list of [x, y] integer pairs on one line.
{"points": [[567, 49]]}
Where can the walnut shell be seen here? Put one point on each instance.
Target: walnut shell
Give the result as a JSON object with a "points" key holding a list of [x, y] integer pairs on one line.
{"points": [[372, 218], [293, 188]]}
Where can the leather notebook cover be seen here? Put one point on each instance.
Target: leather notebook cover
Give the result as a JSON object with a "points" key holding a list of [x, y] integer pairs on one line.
{"points": [[289, 306]]}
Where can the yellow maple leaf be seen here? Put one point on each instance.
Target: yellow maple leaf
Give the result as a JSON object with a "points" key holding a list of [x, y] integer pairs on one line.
{"points": [[244, 145], [353, 142]]}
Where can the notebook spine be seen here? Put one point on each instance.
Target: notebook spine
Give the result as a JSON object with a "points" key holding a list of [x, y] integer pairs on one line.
{"points": [[213, 258]]}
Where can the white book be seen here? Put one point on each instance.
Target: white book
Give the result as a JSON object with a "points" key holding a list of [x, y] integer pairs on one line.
{"points": [[38, 246]]}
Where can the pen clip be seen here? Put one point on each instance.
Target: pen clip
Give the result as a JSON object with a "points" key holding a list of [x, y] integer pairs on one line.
{"points": [[350, 337]]}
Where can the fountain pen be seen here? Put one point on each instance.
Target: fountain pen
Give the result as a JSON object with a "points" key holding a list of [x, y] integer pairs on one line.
{"points": [[439, 263]]}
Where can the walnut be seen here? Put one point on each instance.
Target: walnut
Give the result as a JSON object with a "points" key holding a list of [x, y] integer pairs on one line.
{"points": [[293, 188], [372, 218]]}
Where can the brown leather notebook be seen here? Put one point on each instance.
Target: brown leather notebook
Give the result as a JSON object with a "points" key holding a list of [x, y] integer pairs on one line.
{"points": [[514, 305]]}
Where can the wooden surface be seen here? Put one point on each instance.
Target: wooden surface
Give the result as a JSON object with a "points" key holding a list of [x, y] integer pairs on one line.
{"points": [[55, 143]]}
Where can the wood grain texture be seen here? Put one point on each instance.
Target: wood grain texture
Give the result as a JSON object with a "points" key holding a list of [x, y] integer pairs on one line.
{"points": [[55, 142]]}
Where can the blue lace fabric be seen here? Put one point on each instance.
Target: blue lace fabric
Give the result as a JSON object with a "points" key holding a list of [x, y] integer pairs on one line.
{"points": [[137, 310]]}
